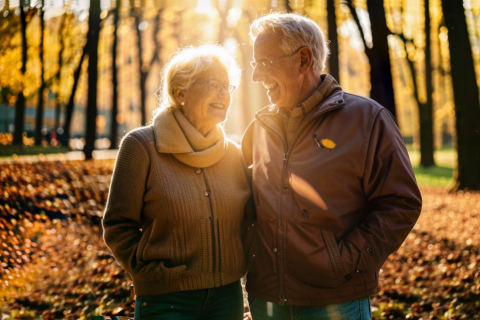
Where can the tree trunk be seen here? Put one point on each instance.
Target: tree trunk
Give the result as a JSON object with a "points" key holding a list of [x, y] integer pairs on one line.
{"points": [[288, 8], [158, 45], [71, 102], [332, 36], [39, 118], [91, 117], [223, 12], [58, 76], [114, 112], [426, 109], [141, 73], [465, 90], [3, 92], [20, 105], [379, 57]]}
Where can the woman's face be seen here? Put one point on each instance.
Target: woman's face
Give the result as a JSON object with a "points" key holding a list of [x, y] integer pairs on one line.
{"points": [[204, 108]]}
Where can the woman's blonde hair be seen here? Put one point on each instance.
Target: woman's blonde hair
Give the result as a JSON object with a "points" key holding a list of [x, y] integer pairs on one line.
{"points": [[186, 64]]}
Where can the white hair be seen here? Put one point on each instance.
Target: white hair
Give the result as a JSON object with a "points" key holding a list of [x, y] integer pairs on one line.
{"points": [[297, 31], [186, 64]]}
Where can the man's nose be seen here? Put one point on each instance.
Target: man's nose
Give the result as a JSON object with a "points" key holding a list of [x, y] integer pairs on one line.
{"points": [[257, 74]]}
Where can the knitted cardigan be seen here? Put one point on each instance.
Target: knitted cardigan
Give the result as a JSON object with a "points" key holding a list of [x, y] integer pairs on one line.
{"points": [[171, 226]]}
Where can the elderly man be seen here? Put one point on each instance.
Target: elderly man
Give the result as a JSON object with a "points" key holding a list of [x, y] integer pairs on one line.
{"points": [[334, 189]]}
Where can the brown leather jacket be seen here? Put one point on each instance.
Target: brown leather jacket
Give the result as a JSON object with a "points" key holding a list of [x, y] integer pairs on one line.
{"points": [[328, 214]]}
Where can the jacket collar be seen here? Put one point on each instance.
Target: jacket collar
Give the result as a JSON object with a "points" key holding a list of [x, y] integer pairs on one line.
{"points": [[270, 115]]}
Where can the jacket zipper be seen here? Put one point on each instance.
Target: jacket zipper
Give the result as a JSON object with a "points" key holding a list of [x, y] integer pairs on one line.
{"points": [[285, 161], [286, 155]]}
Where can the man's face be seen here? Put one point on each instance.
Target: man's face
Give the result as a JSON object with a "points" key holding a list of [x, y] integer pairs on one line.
{"points": [[283, 80]]}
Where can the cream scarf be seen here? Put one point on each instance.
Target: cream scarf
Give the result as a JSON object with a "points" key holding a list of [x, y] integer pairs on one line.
{"points": [[176, 135]]}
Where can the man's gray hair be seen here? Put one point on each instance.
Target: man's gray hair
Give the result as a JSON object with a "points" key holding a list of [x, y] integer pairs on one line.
{"points": [[298, 31]]}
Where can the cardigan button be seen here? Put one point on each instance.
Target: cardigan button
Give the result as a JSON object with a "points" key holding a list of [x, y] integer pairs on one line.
{"points": [[369, 250], [198, 171], [275, 250], [144, 304], [271, 219], [206, 193]]}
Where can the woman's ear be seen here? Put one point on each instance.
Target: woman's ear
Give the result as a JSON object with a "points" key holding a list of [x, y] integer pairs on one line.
{"points": [[179, 95]]}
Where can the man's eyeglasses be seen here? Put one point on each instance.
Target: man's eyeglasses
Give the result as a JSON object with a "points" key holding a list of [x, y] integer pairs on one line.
{"points": [[266, 66], [216, 86]]}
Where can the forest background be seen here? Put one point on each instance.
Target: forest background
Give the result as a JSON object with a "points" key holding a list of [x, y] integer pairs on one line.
{"points": [[76, 76], [80, 75]]}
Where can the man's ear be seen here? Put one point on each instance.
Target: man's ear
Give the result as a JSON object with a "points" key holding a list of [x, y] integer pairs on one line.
{"points": [[306, 60]]}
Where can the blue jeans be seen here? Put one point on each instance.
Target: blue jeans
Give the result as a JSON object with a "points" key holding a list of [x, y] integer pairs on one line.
{"points": [[352, 310], [222, 303]]}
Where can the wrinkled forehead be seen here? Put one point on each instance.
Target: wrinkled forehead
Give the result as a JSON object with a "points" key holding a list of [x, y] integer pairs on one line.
{"points": [[216, 71], [268, 45]]}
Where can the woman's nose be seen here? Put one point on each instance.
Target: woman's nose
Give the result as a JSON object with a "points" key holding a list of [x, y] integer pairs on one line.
{"points": [[223, 91]]}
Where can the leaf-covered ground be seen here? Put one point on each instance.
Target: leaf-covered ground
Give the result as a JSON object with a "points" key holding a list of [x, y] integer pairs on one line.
{"points": [[54, 264]]}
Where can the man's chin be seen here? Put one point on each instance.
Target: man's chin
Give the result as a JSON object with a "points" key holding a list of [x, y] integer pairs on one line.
{"points": [[272, 99], [275, 102]]}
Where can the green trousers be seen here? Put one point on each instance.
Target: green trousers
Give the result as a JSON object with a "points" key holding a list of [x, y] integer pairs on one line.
{"points": [[222, 303]]}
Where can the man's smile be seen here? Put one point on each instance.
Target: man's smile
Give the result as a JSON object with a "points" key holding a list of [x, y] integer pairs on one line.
{"points": [[270, 86]]}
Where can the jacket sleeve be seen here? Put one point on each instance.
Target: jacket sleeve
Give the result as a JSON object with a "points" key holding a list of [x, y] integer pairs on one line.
{"points": [[122, 221], [394, 200]]}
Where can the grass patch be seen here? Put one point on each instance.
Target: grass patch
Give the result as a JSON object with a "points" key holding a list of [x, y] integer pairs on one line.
{"points": [[433, 176], [440, 175]]}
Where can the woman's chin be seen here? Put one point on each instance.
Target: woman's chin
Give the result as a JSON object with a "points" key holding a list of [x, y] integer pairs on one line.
{"points": [[218, 115]]}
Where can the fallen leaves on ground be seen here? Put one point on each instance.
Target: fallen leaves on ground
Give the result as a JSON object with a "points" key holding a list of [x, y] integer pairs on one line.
{"points": [[435, 274], [54, 263]]}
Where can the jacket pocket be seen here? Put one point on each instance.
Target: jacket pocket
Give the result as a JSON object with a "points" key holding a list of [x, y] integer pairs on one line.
{"points": [[156, 242], [157, 271], [173, 273], [313, 256]]}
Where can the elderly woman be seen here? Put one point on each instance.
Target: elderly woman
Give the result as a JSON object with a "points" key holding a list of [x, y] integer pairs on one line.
{"points": [[178, 195]]}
